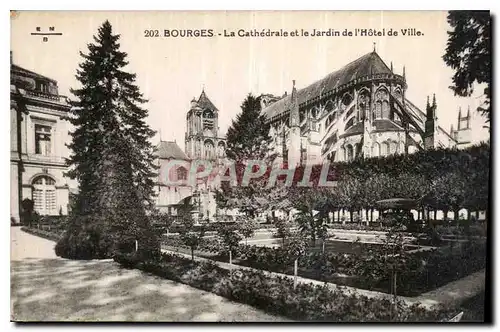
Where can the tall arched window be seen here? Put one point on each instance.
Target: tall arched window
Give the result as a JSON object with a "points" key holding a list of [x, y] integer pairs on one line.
{"points": [[350, 152], [384, 149], [378, 110], [393, 147], [375, 149], [401, 147], [385, 110], [221, 149], [209, 149], [44, 195]]}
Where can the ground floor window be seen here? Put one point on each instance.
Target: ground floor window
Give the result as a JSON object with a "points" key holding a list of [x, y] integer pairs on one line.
{"points": [[44, 195]]}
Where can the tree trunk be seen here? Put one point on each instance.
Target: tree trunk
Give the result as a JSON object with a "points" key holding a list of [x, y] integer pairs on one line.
{"points": [[351, 213], [230, 257], [295, 270], [192, 254], [371, 215], [445, 215], [468, 214]]}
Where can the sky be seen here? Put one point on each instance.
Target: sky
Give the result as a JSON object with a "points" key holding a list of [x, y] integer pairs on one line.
{"points": [[171, 71]]}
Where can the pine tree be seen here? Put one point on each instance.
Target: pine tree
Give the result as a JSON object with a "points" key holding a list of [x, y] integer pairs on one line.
{"points": [[112, 157], [108, 100]]}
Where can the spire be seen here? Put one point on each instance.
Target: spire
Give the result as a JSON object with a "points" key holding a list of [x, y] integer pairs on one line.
{"points": [[451, 129], [428, 105], [294, 107], [392, 70], [374, 47], [434, 101], [404, 73], [459, 117]]}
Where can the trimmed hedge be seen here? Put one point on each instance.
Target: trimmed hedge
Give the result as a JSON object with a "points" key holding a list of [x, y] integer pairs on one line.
{"points": [[276, 295]]}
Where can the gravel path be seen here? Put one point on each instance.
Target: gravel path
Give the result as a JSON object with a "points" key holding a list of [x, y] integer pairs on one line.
{"points": [[47, 288]]}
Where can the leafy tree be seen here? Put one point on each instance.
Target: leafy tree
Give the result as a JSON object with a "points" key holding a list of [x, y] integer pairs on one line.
{"points": [[247, 139], [468, 53], [282, 230], [449, 192], [247, 228], [351, 194], [248, 136], [228, 235], [192, 237], [311, 216], [112, 157]]}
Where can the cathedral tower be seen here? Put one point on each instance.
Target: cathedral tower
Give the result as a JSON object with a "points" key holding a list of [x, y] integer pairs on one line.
{"points": [[202, 134]]}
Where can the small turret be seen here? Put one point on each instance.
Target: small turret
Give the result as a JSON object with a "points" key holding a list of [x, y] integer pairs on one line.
{"points": [[463, 133], [194, 103], [430, 123]]}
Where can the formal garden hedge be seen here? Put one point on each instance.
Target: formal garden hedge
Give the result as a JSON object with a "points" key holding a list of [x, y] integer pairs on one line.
{"points": [[365, 268], [277, 295]]}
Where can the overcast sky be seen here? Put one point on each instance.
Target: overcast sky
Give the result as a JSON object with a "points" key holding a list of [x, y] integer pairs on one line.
{"points": [[171, 71]]}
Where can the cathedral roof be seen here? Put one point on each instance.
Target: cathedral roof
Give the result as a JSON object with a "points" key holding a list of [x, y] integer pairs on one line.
{"points": [[368, 64], [204, 102], [170, 150]]}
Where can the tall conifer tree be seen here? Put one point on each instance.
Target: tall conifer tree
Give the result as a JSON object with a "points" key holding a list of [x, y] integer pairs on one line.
{"points": [[108, 101], [112, 157]]}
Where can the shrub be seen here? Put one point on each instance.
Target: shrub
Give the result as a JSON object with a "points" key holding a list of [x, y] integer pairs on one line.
{"points": [[86, 238]]}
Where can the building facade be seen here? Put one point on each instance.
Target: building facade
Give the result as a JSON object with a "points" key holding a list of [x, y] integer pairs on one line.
{"points": [[37, 150], [360, 110], [202, 141]]}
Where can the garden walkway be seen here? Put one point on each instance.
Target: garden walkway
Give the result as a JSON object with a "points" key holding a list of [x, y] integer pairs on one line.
{"points": [[47, 288]]}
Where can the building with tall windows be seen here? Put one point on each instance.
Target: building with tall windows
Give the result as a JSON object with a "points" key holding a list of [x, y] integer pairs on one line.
{"points": [[202, 141], [37, 143], [360, 110]]}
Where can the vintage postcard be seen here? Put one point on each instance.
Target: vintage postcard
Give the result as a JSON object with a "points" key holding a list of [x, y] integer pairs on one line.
{"points": [[256, 166]]}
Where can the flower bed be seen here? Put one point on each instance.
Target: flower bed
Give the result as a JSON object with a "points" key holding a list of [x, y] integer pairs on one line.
{"points": [[364, 269], [276, 295]]}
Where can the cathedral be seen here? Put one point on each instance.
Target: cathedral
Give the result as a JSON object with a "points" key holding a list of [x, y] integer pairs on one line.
{"points": [[360, 110], [202, 141]]}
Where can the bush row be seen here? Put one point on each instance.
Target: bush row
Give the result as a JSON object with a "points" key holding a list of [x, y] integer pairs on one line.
{"points": [[425, 270], [276, 295]]}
